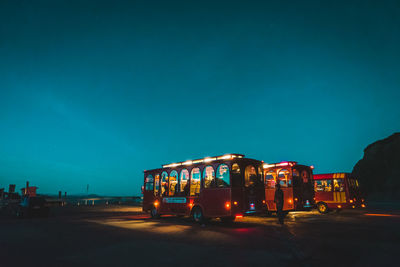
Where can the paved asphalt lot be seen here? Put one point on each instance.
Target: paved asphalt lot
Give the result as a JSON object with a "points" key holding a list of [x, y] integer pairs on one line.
{"points": [[123, 236]]}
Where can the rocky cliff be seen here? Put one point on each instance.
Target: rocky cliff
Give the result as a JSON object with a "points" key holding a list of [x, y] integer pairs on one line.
{"points": [[379, 170]]}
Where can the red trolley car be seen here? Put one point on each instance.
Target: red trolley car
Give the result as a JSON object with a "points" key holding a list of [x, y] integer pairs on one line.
{"points": [[296, 184], [336, 191], [226, 187]]}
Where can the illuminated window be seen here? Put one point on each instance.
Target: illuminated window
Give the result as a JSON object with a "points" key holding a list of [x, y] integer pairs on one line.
{"points": [[209, 177], [284, 178], [222, 177], [164, 183], [149, 183], [157, 184], [338, 185], [270, 179], [250, 176], [173, 181], [183, 182], [323, 185], [195, 176], [260, 174], [235, 168], [236, 176]]}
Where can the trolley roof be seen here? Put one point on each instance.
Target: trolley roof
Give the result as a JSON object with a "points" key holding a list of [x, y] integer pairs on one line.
{"points": [[283, 164], [203, 160]]}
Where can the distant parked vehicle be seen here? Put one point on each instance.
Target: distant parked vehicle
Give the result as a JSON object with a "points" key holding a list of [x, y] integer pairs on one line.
{"points": [[9, 203], [336, 191], [32, 206]]}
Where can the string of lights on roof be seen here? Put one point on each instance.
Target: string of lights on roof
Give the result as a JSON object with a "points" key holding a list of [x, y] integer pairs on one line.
{"points": [[204, 160], [284, 163]]}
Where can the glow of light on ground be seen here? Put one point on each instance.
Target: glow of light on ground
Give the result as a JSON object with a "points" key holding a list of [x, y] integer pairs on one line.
{"points": [[381, 215], [196, 231]]}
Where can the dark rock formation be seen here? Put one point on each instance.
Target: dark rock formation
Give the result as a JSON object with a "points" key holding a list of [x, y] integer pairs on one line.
{"points": [[379, 170]]}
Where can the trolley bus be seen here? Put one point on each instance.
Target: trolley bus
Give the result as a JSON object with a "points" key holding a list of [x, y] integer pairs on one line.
{"points": [[226, 187], [296, 184], [336, 191]]}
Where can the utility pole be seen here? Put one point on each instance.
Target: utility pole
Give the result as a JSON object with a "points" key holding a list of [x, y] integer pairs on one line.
{"points": [[87, 189]]}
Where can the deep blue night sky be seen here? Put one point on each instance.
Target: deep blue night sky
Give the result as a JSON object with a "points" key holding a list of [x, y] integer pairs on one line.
{"points": [[94, 92]]}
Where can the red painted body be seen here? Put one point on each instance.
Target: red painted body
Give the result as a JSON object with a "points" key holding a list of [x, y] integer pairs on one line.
{"points": [[337, 191], [227, 201]]}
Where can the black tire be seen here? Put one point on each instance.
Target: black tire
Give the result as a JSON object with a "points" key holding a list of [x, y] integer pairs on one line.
{"points": [[229, 219], [154, 213], [322, 208], [197, 215]]}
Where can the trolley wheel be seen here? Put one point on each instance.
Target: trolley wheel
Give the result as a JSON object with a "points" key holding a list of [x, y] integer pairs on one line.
{"points": [[229, 219], [197, 215], [322, 208], [154, 213]]}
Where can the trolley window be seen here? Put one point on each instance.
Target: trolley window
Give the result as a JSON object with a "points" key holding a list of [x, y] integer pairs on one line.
{"points": [[305, 176], [222, 176], [183, 181], [195, 182], [209, 177], [338, 185], [260, 174], [173, 181], [149, 183], [236, 177], [296, 178], [323, 186], [164, 183], [284, 178], [270, 179], [250, 176], [157, 184]]}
